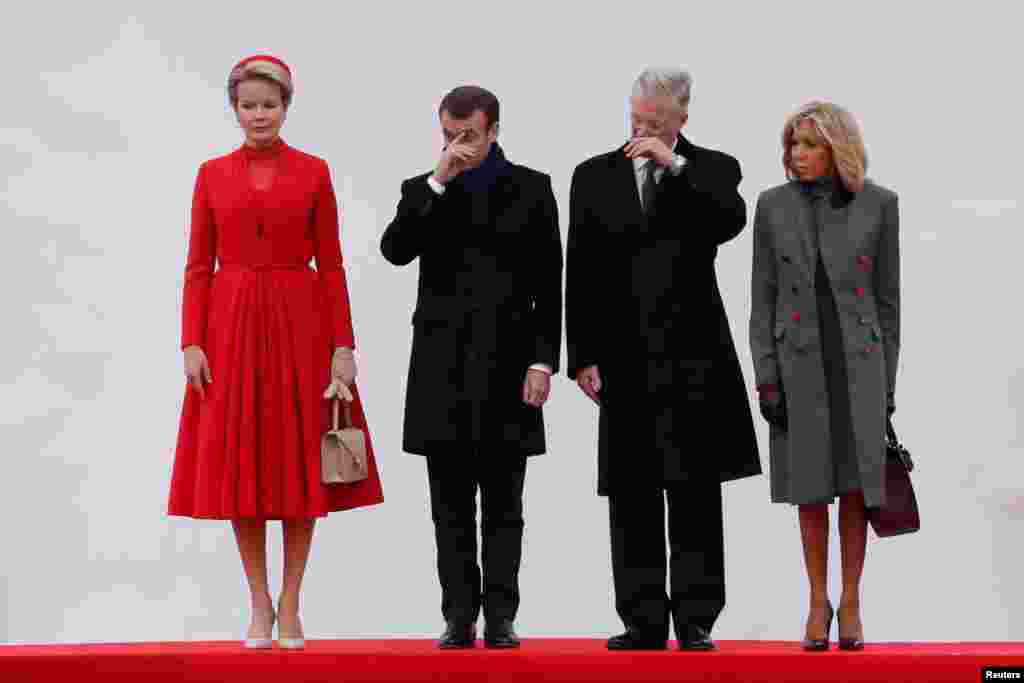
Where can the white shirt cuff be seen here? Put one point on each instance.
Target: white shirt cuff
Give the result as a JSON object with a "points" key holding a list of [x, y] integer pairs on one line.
{"points": [[543, 367], [437, 187]]}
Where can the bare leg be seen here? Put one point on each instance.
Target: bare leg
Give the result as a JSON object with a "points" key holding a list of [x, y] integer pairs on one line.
{"points": [[251, 536], [814, 533], [853, 533], [298, 537]]}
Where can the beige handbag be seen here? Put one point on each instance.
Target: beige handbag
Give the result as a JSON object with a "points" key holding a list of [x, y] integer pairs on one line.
{"points": [[343, 455]]}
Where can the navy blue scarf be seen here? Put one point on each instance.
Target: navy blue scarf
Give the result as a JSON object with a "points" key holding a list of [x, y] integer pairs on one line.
{"points": [[483, 177]]}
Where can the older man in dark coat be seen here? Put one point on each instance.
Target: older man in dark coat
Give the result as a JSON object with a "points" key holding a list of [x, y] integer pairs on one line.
{"points": [[649, 341], [486, 338]]}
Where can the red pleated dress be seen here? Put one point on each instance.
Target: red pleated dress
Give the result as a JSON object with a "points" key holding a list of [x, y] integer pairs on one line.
{"points": [[268, 323]]}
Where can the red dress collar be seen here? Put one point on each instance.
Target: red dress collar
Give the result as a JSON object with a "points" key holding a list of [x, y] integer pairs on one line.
{"points": [[271, 151]]}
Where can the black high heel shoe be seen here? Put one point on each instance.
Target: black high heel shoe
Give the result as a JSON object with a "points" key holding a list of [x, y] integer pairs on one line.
{"points": [[849, 643], [821, 644]]}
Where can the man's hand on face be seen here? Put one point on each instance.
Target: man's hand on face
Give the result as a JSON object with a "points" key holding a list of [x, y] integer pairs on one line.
{"points": [[650, 148], [455, 158]]}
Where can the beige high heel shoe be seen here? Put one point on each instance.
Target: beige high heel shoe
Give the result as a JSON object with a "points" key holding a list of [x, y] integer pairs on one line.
{"points": [[291, 641], [262, 642]]}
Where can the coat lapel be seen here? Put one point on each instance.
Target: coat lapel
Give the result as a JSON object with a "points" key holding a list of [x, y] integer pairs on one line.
{"points": [[683, 147], [502, 197], [831, 221], [624, 185], [797, 246], [834, 235], [842, 236]]}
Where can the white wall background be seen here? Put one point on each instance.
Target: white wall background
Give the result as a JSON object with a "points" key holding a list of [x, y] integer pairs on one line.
{"points": [[108, 110]]}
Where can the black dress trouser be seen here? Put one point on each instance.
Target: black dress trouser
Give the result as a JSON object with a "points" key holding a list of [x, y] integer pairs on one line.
{"points": [[695, 565], [454, 482]]}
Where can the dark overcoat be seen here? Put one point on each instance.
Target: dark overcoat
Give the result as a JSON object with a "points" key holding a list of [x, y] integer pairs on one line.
{"points": [[489, 305], [642, 303]]}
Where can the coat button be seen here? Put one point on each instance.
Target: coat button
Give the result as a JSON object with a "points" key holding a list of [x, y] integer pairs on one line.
{"points": [[859, 291], [796, 317]]}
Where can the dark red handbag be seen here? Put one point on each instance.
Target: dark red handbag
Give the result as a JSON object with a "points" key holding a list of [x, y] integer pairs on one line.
{"points": [[899, 515]]}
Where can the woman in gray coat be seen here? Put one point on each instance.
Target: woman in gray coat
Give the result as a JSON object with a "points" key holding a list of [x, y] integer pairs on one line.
{"points": [[824, 335]]}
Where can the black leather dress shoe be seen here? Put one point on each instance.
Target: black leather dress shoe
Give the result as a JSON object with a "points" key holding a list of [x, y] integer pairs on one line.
{"points": [[457, 636], [695, 638], [633, 640], [500, 635]]}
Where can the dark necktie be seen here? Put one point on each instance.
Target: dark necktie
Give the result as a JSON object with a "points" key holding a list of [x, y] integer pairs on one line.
{"points": [[648, 186]]}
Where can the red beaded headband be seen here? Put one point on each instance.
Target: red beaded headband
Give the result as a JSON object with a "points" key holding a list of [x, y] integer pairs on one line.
{"points": [[263, 58]]}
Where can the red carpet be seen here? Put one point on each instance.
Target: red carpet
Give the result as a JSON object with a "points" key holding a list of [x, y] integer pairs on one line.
{"points": [[546, 660]]}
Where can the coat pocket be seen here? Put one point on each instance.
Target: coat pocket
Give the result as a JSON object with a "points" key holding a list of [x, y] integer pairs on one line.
{"points": [[868, 329], [798, 337]]}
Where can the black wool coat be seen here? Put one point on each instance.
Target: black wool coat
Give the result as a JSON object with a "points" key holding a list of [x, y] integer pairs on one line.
{"points": [[489, 305], [642, 303]]}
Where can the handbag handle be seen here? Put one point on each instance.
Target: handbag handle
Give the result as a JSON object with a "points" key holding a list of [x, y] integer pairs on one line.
{"points": [[348, 413], [894, 443], [890, 433]]}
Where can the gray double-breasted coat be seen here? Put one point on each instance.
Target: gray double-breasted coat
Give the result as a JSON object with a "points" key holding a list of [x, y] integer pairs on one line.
{"points": [[859, 247]]}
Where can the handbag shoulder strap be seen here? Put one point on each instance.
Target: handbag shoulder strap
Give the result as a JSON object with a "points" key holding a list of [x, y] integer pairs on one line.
{"points": [[894, 443], [890, 432]]}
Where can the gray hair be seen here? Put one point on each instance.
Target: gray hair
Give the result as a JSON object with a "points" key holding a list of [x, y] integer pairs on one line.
{"points": [[670, 81]]}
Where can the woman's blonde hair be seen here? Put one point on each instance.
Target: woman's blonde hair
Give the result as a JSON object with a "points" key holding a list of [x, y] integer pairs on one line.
{"points": [[261, 67], [839, 130]]}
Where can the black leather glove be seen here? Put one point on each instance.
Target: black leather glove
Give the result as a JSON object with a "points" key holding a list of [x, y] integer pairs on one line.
{"points": [[775, 411]]}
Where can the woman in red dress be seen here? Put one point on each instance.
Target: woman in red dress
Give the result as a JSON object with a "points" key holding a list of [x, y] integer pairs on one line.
{"points": [[262, 336]]}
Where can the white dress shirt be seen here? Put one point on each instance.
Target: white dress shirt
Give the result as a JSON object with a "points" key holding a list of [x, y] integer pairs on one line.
{"points": [[640, 168]]}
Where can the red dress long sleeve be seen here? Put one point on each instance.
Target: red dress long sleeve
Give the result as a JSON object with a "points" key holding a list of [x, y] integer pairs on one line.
{"points": [[328, 262], [198, 267], [268, 324]]}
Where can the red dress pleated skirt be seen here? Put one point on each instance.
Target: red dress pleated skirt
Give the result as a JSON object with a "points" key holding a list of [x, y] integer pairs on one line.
{"points": [[251, 448]]}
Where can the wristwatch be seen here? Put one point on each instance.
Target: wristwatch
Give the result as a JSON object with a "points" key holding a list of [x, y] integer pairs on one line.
{"points": [[678, 161]]}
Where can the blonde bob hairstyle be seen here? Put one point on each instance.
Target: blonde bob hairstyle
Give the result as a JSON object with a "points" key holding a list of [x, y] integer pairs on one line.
{"points": [[840, 131], [266, 69]]}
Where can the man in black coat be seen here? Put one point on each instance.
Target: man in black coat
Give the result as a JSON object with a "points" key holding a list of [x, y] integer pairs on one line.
{"points": [[486, 338], [649, 342]]}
